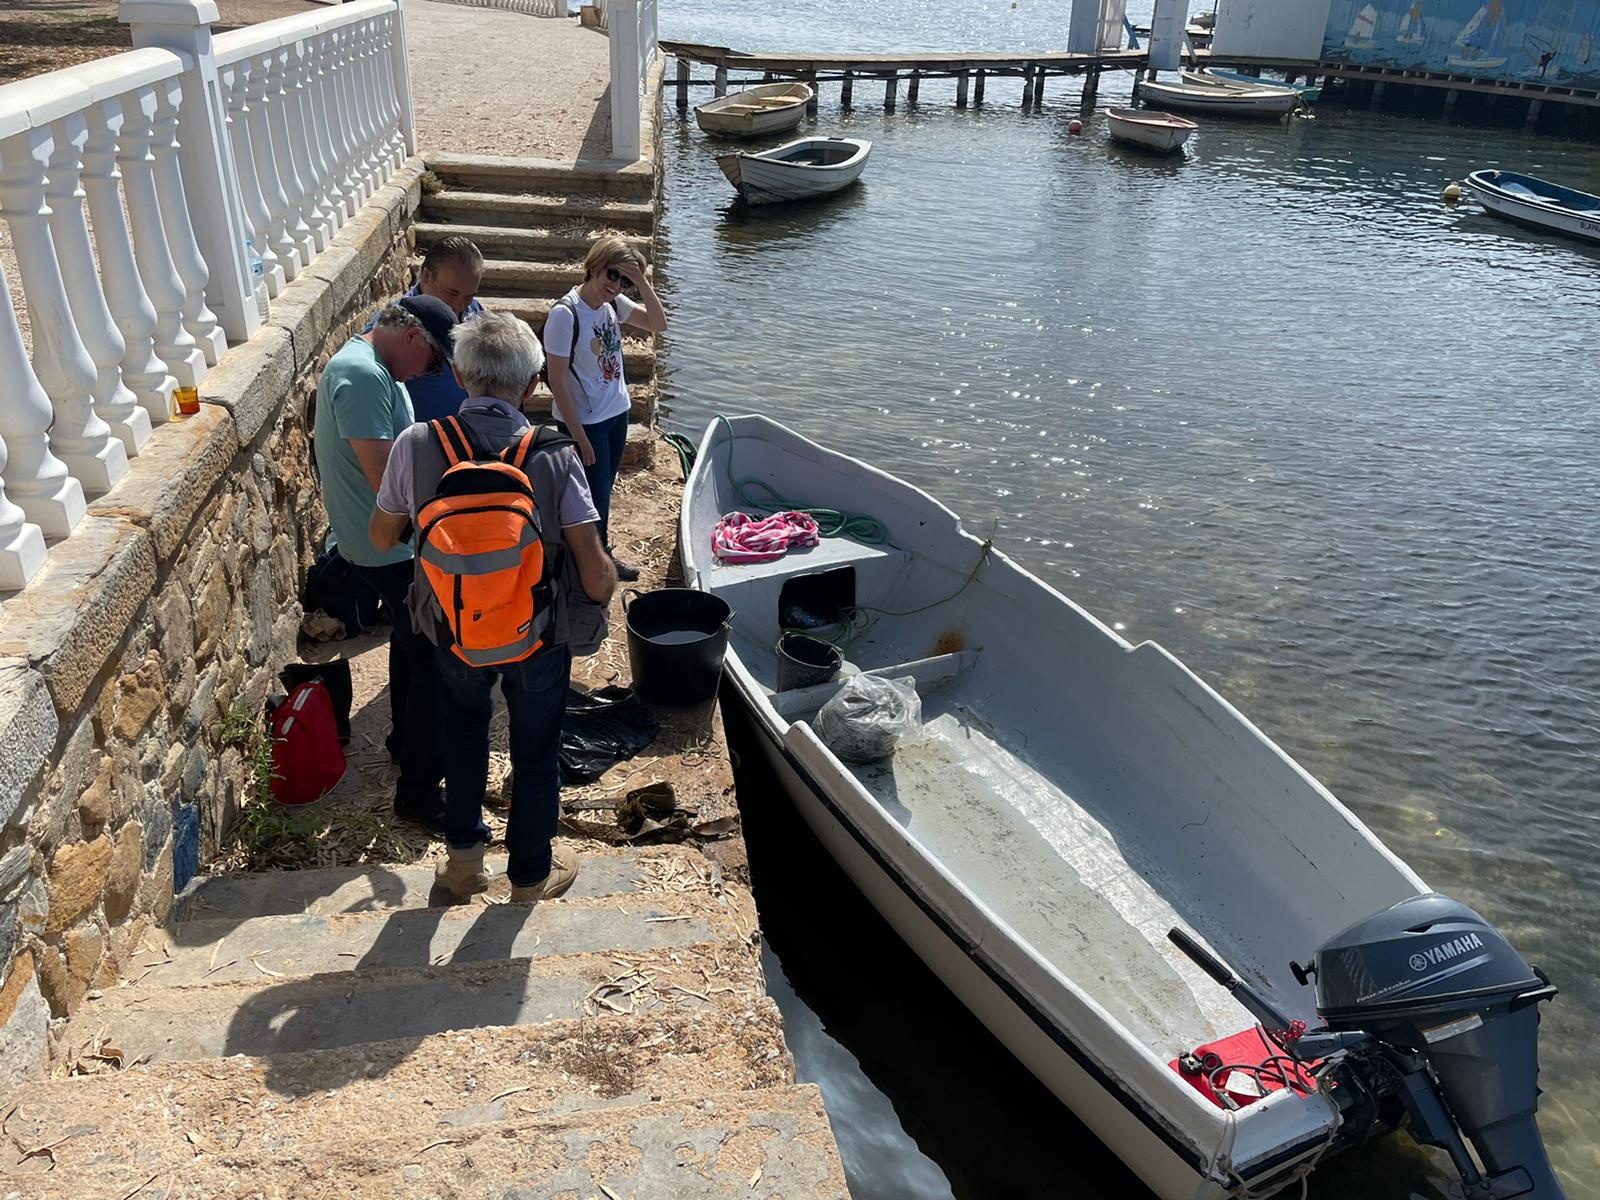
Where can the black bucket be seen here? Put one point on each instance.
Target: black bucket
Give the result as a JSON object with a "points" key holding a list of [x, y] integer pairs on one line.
{"points": [[677, 638], [805, 661]]}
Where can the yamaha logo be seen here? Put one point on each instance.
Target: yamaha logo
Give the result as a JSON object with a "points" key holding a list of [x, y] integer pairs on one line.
{"points": [[1445, 951]]}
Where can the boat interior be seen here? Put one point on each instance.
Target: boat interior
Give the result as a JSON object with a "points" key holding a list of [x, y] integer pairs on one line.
{"points": [[815, 152], [1090, 793]]}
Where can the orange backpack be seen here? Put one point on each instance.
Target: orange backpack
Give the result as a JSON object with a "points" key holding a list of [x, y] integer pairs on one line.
{"points": [[481, 547]]}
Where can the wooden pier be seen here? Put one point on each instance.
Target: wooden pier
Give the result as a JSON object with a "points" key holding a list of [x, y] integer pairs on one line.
{"points": [[970, 71]]}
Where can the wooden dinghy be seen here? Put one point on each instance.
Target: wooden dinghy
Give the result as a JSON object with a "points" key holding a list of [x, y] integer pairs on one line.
{"points": [[1216, 100], [1070, 798], [1529, 200], [756, 112], [1309, 92], [798, 170], [1161, 132]]}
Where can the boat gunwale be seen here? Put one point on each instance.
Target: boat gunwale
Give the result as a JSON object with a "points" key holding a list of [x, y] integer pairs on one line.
{"points": [[1537, 202], [1154, 120], [862, 146]]}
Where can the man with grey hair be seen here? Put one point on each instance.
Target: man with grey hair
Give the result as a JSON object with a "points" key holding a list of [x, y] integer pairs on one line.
{"points": [[497, 362], [361, 408]]}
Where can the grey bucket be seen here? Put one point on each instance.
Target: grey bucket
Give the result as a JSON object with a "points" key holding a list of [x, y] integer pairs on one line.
{"points": [[805, 661]]}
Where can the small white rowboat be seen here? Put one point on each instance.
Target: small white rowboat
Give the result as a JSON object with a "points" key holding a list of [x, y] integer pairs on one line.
{"points": [[756, 112], [1209, 80], [1069, 799], [797, 170], [1529, 200], [1161, 132], [1216, 100]]}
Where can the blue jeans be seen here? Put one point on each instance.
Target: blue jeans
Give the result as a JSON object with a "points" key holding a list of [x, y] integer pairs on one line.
{"points": [[608, 438], [535, 690]]}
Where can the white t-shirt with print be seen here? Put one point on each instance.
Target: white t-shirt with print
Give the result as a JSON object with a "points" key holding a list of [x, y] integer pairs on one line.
{"points": [[601, 393]]}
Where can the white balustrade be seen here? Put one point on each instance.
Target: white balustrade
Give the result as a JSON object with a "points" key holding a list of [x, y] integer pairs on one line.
{"points": [[174, 344], [77, 435], [631, 26], [142, 373], [35, 479], [176, 218], [129, 186], [258, 218], [114, 403]]}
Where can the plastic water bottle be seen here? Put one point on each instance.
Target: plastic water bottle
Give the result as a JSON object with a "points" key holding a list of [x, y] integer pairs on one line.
{"points": [[258, 281]]}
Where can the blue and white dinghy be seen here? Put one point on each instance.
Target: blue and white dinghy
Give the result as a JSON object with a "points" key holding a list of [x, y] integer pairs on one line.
{"points": [[1539, 203], [1117, 872]]}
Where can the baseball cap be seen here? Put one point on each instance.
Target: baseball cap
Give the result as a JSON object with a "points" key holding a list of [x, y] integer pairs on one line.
{"points": [[437, 317]]}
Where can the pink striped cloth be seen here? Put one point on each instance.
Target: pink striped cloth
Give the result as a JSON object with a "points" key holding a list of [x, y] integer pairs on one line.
{"points": [[741, 538]]}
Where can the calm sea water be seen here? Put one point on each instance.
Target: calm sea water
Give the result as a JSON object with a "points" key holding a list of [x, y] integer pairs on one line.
{"points": [[1271, 404]]}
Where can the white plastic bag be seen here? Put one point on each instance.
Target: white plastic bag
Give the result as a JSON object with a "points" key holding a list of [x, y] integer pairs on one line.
{"points": [[865, 721]]}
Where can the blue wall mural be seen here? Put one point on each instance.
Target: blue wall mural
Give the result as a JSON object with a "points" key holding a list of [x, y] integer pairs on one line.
{"points": [[1556, 42]]}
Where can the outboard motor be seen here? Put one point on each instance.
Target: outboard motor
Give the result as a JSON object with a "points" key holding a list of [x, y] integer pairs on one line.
{"points": [[1454, 1012], [1428, 1014]]}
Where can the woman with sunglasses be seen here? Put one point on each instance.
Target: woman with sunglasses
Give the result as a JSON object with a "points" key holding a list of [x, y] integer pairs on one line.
{"points": [[583, 346]]}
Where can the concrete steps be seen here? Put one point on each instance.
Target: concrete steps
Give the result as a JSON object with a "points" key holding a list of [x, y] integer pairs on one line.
{"points": [[511, 175], [546, 210], [451, 1081], [526, 244], [766, 1144]]}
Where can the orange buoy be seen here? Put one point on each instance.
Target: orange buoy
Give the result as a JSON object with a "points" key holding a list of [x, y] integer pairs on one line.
{"points": [[1074, 126]]}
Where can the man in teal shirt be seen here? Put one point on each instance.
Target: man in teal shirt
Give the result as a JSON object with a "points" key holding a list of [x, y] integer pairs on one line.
{"points": [[361, 409]]}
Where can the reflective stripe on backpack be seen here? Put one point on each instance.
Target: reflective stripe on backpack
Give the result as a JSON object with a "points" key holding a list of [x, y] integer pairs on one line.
{"points": [[480, 547]]}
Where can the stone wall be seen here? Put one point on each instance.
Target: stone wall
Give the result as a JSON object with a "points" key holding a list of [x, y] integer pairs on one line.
{"points": [[175, 602]]}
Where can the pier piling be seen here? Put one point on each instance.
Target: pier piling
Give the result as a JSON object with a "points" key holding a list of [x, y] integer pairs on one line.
{"points": [[1038, 86], [1450, 99], [911, 88], [847, 89], [722, 81], [961, 89], [683, 84], [977, 87], [811, 104], [889, 86], [1535, 107], [1027, 85], [1377, 93]]}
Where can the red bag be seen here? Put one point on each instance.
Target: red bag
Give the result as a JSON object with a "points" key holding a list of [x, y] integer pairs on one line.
{"points": [[307, 760]]}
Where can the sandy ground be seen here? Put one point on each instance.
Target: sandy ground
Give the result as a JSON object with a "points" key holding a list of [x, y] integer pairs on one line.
{"points": [[485, 81], [356, 825]]}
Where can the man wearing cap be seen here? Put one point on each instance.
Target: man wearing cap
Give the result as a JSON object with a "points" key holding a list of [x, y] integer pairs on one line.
{"points": [[451, 271], [360, 410]]}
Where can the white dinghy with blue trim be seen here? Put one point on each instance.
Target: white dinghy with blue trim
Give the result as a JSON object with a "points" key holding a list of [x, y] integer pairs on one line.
{"points": [[1072, 809]]}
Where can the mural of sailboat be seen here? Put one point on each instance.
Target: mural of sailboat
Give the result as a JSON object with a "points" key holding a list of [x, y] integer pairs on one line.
{"points": [[1481, 45], [1363, 29], [1412, 32], [1545, 36]]}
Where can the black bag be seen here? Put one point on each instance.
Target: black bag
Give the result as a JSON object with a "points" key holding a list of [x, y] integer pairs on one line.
{"points": [[335, 677], [333, 587]]}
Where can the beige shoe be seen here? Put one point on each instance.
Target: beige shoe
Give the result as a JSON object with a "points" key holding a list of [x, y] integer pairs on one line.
{"points": [[563, 870], [462, 874]]}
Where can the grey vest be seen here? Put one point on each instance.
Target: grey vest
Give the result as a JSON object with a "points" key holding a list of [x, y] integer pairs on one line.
{"points": [[579, 622]]}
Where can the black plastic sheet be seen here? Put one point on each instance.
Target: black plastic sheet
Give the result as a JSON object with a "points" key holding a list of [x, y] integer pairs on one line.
{"points": [[603, 728]]}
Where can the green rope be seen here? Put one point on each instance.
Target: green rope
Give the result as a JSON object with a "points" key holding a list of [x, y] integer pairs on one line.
{"points": [[684, 447], [831, 522]]}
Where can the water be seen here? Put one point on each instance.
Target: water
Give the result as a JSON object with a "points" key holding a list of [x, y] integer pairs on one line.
{"points": [[1271, 404]]}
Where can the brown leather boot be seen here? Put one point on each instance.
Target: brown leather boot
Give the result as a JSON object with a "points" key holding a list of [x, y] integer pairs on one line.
{"points": [[463, 874], [563, 870]]}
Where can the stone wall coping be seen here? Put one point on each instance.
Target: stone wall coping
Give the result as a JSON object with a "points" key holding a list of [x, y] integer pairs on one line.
{"points": [[28, 731]]}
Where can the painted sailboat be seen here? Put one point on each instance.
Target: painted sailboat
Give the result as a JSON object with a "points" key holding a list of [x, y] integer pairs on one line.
{"points": [[1481, 45], [1545, 37], [1412, 32], [1363, 30]]}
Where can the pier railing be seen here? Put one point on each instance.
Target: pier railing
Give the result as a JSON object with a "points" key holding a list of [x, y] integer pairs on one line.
{"points": [[635, 42], [129, 186]]}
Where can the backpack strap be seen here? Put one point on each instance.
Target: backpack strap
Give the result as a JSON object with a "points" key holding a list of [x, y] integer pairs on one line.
{"points": [[459, 443], [535, 439]]}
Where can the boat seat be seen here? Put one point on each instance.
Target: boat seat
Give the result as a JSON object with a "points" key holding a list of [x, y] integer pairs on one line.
{"points": [[829, 552]]}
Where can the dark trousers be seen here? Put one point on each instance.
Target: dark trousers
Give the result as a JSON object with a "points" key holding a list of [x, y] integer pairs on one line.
{"points": [[609, 439], [535, 690], [412, 684]]}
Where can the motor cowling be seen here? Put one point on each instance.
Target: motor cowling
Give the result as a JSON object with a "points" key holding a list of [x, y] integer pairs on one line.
{"points": [[1436, 984]]}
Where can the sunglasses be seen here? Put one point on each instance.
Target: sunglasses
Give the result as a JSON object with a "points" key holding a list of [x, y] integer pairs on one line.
{"points": [[618, 277], [435, 359]]}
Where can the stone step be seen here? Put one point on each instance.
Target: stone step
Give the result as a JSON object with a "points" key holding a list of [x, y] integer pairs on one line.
{"points": [[530, 210], [521, 244], [643, 405], [641, 448], [505, 277], [445, 1082], [297, 947], [753, 1145], [325, 891], [267, 1016], [507, 173]]}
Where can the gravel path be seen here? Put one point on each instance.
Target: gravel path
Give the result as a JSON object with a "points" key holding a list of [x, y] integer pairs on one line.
{"points": [[484, 81]]}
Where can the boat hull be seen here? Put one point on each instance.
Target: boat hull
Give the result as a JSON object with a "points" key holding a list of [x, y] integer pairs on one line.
{"points": [[1533, 213], [764, 180], [1159, 137], [1219, 101]]}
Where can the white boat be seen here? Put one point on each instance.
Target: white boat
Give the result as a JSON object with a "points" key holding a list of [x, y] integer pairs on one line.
{"points": [[1529, 200], [1068, 801], [798, 170], [1216, 100], [756, 112], [1162, 132], [1245, 83]]}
